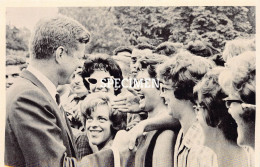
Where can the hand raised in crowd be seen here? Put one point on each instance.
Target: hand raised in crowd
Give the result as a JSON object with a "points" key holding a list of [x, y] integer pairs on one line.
{"points": [[129, 102]]}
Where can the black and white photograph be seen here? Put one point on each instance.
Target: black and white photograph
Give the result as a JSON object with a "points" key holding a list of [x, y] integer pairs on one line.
{"points": [[130, 86]]}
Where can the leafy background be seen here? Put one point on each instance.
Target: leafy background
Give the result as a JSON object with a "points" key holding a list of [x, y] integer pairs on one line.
{"points": [[111, 27]]}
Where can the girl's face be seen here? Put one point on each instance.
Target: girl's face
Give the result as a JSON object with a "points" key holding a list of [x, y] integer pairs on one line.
{"points": [[175, 106], [149, 95], [101, 81], [98, 126]]}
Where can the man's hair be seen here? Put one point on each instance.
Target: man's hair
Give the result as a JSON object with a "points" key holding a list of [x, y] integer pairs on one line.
{"points": [[184, 70], [210, 95], [151, 69], [92, 101], [51, 33], [105, 63], [201, 48], [145, 46], [168, 48], [122, 49]]}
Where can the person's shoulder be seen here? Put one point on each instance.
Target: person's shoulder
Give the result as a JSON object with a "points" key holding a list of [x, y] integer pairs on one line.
{"points": [[20, 86], [168, 137], [202, 156], [165, 134], [25, 92]]}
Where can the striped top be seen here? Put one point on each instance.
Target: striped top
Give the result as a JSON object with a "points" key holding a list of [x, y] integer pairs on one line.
{"points": [[194, 136]]}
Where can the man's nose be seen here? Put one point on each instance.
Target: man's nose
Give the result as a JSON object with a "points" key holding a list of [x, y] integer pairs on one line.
{"points": [[9, 80]]}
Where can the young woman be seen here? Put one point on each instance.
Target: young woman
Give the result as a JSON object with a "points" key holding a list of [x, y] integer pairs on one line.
{"points": [[100, 121], [98, 70], [220, 129], [239, 82], [155, 148]]}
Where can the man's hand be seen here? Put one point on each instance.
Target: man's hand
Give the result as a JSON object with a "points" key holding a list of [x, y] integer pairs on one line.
{"points": [[70, 106], [127, 103]]}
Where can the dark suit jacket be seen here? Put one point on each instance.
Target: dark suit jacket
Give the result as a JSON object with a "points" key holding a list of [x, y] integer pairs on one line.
{"points": [[36, 133]]}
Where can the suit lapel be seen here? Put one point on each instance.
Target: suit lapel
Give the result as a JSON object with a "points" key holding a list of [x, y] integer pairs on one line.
{"points": [[29, 76]]}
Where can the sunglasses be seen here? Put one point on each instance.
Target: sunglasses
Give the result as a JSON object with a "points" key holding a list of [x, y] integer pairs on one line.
{"points": [[229, 102], [94, 80]]}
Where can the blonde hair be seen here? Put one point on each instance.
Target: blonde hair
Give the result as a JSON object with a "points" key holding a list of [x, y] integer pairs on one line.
{"points": [[236, 47]]}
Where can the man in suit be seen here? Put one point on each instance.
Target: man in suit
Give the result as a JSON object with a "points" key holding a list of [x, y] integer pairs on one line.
{"points": [[37, 131]]}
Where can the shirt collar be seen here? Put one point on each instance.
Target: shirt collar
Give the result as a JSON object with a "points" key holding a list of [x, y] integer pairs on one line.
{"points": [[51, 88], [194, 136]]}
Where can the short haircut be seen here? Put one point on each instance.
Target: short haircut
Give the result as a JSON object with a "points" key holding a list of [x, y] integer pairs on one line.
{"points": [[102, 62], [122, 49], [210, 95], [184, 70], [201, 48], [237, 46], [152, 59], [145, 46], [241, 81], [92, 101], [168, 48], [151, 69], [243, 68], [51, 33]]}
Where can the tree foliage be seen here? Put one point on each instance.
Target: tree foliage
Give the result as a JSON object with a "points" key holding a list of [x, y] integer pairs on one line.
{"points": [[105, 35], [111, 27], [17, 39], [185, 24]]}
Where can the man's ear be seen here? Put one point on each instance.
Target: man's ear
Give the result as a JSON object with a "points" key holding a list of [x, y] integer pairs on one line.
{"points": [[59, 53]]}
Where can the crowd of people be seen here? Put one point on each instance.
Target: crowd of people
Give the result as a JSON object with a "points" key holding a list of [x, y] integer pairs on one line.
{"points": [[170, 105]]}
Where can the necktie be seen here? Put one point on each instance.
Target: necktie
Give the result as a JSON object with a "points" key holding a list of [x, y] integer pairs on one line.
{"points": [[57, 96]]}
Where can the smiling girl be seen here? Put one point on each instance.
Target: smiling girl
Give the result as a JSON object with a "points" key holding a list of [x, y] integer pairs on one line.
{"points": [[100, 121]]}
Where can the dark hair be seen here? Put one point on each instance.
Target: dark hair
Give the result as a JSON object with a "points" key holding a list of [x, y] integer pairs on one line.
{"points": [[102, 62], [210, 95], [122, 49], [54, 32], [151, 69], [185, 70], [145, 46], [201, 48], [89, 104], [168, 48]]}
